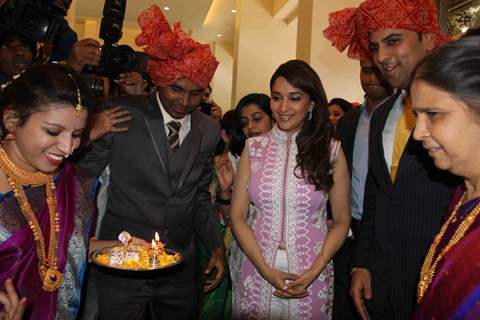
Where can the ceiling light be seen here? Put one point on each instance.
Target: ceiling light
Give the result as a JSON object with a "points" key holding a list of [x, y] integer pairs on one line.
{"points": [[219, 35], [166, 8], [234, 11]]}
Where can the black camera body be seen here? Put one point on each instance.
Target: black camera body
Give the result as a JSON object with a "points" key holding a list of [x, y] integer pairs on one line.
{"points": [[37, 20], [115, 59], [206, 107]]}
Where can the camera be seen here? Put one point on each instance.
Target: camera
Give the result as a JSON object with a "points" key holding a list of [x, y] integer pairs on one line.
{"points": [[115, 58], [97, 85], [206, 107], [38, 20]]}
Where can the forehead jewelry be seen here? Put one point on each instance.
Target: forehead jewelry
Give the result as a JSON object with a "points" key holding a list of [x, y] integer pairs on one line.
{"points": [[78, 107]]}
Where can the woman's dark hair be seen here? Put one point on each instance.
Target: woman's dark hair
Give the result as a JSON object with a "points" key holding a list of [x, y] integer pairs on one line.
{"points": [[227, 124], [472, 32], [314, 138], [41, 85], [342, 103], [262, 101], [455, 69]]}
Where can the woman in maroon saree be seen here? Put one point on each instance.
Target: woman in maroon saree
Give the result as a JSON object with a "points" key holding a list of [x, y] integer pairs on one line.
{"points": [[446, 98], [44, 115]]}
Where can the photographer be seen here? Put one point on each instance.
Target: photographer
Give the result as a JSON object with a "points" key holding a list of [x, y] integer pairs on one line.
{"points": [[84, 52], [16, 54]]}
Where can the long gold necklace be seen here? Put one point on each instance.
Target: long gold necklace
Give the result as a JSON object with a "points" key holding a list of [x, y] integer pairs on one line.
{"points": [[18, 178], [429, 265]]}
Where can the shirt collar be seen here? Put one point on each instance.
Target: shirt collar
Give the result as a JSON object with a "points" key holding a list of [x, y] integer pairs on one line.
{"points": [[167, 117], [363, 108]]}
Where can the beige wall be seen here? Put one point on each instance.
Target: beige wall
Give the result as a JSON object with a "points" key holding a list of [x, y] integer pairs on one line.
{"points": [[262, 43], [339, 74], [89, 28], [222, 80]]}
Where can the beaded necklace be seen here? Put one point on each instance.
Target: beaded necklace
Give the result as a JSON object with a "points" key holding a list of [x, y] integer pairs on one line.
{"points": [[430, 265], [17, 179]]}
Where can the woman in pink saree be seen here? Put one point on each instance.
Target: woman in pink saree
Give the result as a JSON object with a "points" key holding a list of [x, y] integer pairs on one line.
{"points": [[45, 202], [289, 174]]}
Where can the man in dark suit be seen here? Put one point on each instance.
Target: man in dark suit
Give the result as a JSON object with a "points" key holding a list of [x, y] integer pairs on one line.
{"points": [[160, 174], [353, 129], [405, 195]]}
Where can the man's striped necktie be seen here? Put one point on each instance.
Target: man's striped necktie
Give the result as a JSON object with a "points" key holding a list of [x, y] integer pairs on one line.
{"points": [[173, 138]]}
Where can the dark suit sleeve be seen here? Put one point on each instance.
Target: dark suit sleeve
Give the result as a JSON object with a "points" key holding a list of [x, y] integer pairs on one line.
{"points": [[342, 127], [365, 240], [96, 158], [206, 227]]}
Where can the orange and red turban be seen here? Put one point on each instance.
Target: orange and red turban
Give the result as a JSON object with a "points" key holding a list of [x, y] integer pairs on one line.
{"points": [[350, 27], [173, 54]]}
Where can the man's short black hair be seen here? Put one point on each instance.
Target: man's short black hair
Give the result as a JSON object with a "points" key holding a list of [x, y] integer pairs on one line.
{"points": [[10, 35]]}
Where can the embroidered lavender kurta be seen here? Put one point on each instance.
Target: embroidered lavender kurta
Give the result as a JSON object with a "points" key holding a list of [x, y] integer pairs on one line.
{"points": [[291, 212]]}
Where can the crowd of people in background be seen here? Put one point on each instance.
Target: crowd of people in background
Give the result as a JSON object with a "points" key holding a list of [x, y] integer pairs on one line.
{"points": [[287, 206]]}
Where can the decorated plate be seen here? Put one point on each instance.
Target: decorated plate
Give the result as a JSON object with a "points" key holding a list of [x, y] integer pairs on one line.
{"points": [[136, 258]]}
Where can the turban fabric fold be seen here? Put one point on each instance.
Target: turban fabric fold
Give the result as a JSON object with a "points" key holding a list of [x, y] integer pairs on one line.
{"points": [[350, 27], [172, 53]]}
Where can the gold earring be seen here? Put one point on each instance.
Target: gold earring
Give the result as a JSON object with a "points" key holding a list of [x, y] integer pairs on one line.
{"points": [[10, 136]]}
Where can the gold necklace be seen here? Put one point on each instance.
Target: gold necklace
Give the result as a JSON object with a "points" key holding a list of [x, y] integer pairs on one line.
{"points": [[19, 175], [429, 265], [18, 178]]}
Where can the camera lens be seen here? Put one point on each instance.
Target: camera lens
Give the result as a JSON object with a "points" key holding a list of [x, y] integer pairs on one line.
{"points": [[98, 87], [95, 84], [124, 58]]}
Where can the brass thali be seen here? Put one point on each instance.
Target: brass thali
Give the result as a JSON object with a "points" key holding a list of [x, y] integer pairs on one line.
{"points": [[136, 258]]}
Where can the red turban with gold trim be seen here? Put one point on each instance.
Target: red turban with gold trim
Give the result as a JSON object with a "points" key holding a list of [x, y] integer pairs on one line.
{"points": [[173, 54], [350, 27]]}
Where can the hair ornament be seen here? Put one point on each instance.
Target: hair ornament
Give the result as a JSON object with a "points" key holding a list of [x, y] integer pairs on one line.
{"points": [[78, 107]]}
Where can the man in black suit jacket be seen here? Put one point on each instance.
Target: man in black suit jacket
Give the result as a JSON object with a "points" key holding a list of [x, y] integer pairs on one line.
{"points": [[353, 129], [405, 196], [160, 174]]}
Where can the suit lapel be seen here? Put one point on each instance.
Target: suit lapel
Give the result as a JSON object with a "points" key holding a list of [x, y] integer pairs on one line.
{"points": [[408, 157], [156, 130], [195, 136], [350, 132]]}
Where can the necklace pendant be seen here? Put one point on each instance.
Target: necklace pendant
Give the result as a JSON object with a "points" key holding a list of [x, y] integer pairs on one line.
{"points": [[53, 280]]}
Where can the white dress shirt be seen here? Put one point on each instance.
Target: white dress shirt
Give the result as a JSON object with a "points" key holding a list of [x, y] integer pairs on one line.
{"points": [[185, 122]]}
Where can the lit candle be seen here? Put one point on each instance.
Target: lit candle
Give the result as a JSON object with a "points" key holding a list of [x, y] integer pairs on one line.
{"points": [[159, 244], [154, 259]]}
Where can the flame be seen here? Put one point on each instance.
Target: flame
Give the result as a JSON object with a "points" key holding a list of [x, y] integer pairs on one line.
{"points": [[154, 244], [157, 237]]}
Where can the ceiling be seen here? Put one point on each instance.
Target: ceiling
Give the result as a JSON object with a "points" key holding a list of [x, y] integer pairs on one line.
{"points": [[458, 4], [462, 15], [204, 19]]}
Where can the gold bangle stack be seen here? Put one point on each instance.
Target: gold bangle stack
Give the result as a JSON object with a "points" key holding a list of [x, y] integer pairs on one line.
{"points": [[430, 265], [17, 179]]}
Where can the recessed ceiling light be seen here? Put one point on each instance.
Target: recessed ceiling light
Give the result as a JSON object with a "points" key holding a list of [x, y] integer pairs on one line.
{"points": [[234, 11], [166, 8], [219, 35]]}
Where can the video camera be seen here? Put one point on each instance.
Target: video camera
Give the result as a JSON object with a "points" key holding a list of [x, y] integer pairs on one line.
{"points": [[115, 59], [37, 20]]}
